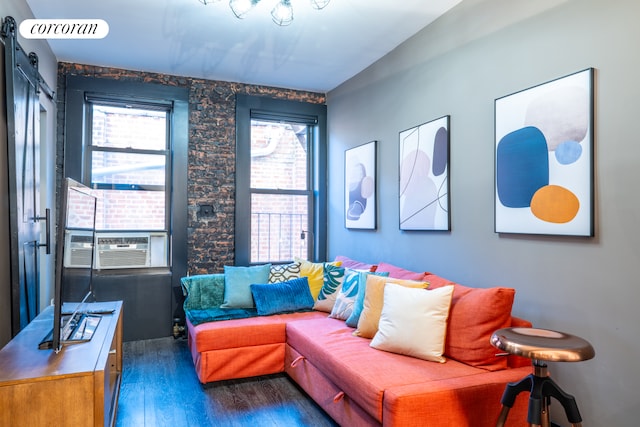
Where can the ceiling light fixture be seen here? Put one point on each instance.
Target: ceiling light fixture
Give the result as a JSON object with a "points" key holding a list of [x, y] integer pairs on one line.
{"points": [[318, 4], [282, 12], [240, 8]]}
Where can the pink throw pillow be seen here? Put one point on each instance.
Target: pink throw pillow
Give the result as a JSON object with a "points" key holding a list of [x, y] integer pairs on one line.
{"points": [[355, 265], [400, 273]]}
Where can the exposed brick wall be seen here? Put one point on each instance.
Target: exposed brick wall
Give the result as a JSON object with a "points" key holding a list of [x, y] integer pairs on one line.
{"points": [[211, 174]]}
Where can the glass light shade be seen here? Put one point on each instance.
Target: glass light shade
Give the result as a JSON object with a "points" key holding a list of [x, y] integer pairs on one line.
{"points": [[282, 13], [319, 4], [240, 8]]}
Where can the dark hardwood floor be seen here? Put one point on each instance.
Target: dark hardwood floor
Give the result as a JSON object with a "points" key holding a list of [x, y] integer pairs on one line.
{"points": [[160, 388]]}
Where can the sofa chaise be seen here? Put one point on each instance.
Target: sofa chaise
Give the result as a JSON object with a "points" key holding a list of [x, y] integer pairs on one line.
{"points": [[335, 361]]}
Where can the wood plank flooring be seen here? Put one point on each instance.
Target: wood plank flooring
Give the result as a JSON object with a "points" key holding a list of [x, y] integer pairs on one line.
{"points": [[160, 388]]}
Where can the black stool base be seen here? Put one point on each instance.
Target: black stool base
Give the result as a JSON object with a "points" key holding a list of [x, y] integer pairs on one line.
{"points": [[541, 390]]}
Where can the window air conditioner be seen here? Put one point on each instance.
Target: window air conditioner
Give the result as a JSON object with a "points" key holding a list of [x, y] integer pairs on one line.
{"points": [[122, 250], [79, 244]]}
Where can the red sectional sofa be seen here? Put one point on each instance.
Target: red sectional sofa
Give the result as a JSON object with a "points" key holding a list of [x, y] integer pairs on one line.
{"points": [[358, 385]]}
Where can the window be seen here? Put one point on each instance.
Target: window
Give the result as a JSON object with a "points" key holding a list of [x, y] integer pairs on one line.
{"points": [[127, 163], [128, 159], [280, 181], [281, 196], [128, 141]]}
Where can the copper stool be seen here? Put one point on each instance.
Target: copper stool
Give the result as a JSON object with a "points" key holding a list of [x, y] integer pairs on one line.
{"points": [[541, 345]]}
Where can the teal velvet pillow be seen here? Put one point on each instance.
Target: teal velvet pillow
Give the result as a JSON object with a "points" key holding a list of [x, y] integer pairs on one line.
{"points": [[203, 291], [358, 304], [283, 297], [237, 282]]}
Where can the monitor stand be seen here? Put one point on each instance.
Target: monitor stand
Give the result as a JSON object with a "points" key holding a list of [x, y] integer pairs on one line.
{"points": [[79, 328]]}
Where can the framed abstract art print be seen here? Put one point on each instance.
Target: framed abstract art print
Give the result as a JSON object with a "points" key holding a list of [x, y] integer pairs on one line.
{"points": [[360, 186], [544, 158], [424, 176]]}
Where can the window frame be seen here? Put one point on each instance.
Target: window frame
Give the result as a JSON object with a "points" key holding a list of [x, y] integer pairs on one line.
{"points": [[124, 102], [147, 95], [309, 123], [250, 107]]}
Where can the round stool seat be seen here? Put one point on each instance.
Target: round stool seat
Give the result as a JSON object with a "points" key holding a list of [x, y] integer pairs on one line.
{"points": [[542, 344]]}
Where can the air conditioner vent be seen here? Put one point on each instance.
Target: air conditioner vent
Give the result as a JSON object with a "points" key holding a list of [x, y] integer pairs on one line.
{"points": [[126, 250], [123, 240], [80, 258], [122, 258], [78, 248], [82, 238]]}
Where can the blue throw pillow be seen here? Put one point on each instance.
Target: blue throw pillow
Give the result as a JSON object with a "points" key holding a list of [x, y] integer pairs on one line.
{"points": [[237, 280], [282, 297]]}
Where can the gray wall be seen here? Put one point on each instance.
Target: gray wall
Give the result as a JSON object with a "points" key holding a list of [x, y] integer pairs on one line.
{"points": [[479, 51], [47, 65]]}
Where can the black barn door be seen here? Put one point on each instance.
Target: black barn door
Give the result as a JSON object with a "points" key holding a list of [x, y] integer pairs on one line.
{"points": [[23, 131]]}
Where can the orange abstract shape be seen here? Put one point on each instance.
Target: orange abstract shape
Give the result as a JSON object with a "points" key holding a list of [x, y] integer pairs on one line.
{"points": [[555, 204]]}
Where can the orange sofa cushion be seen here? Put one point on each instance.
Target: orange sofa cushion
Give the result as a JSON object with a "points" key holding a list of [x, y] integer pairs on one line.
{"points": [[241, 362], [342, 408], [330, 346], [470, 401], [474, 315], [248, 332]]}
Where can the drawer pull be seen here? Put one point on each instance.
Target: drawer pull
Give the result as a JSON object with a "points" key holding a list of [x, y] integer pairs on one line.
{"points": [[296, 361], [338, 397]]}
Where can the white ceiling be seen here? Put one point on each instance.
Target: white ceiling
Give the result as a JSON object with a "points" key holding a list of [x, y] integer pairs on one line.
{"points": [[317, 52]]}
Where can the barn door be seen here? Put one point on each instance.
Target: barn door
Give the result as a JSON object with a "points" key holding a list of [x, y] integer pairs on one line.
{"points": [[23, 131]]}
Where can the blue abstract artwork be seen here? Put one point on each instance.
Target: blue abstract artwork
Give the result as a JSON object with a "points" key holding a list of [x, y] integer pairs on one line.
{"points": [[360, 186], [522, 166], [544, 158]]}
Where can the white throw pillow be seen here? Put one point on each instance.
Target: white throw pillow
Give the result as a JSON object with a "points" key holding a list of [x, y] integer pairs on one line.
{"points": [[413, 321]]}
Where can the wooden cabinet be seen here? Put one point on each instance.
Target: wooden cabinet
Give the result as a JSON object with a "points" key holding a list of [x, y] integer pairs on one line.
{"points": [[78, 386]]}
